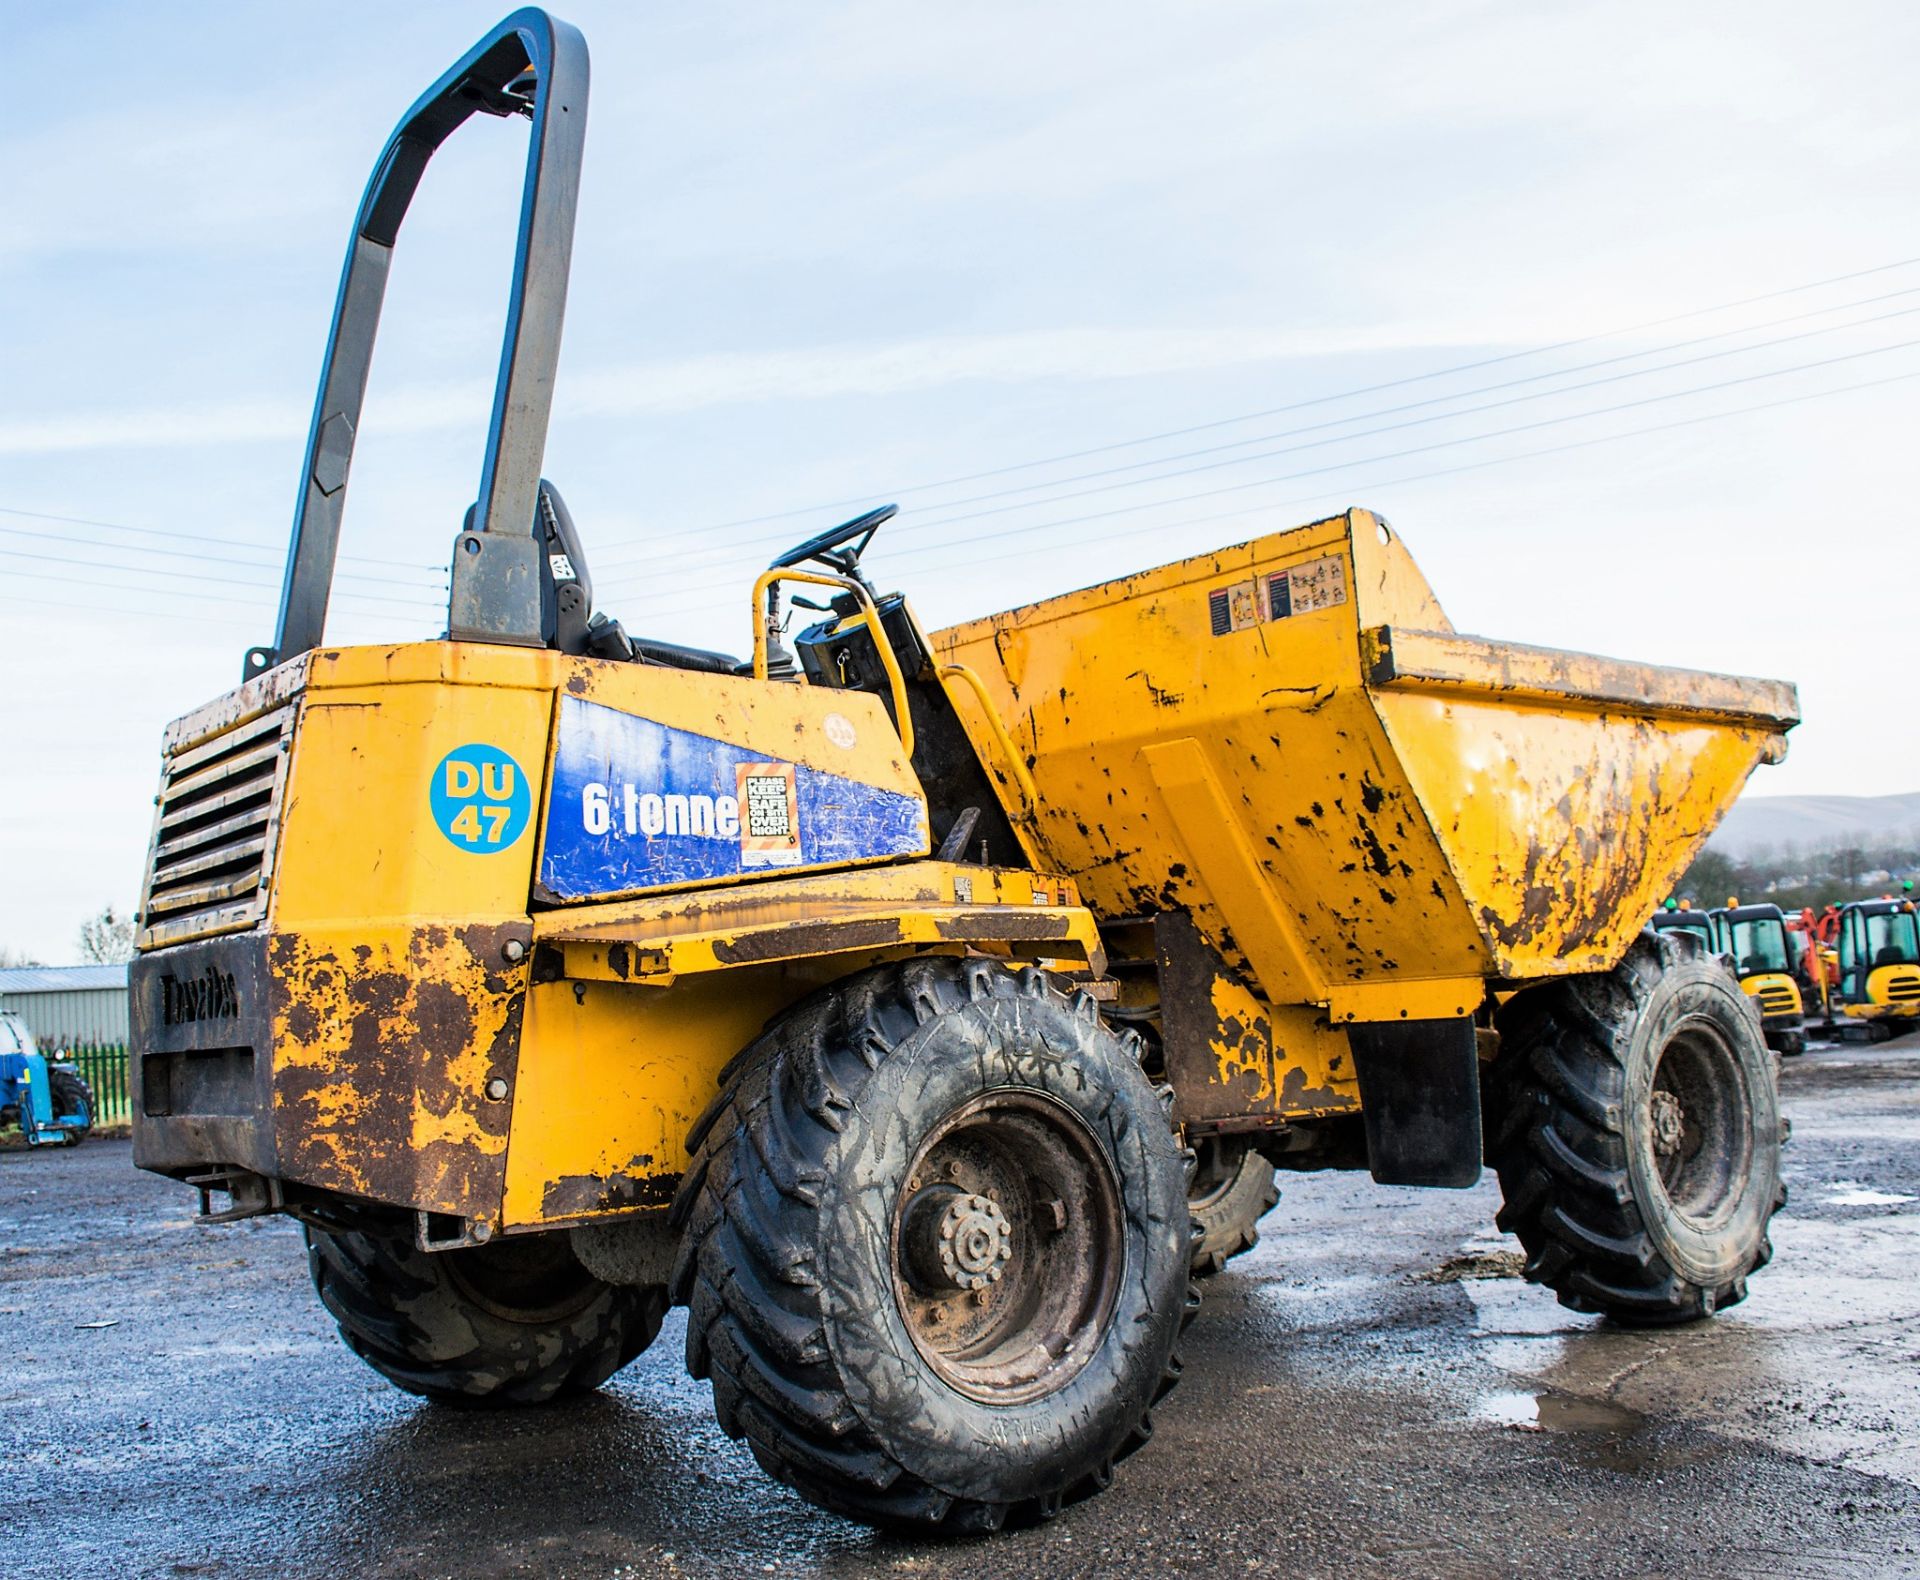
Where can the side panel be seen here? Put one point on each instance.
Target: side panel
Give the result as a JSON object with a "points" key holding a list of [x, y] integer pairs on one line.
{"points": [[375, 825], [612, 1078], [406, 859], [633, 804]]}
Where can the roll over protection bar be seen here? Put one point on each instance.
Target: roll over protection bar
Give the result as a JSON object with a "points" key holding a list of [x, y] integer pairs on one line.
{"points": [[530, 64]]}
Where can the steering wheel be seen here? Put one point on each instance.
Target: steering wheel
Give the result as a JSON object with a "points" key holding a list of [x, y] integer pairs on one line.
{"points": [[821, 545]]}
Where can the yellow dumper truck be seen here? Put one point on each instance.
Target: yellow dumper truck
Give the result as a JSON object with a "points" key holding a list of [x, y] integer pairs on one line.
{"points": [[920, 1010]]}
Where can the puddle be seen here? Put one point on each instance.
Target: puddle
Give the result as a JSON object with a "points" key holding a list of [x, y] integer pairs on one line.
{"points": [[1475, 1264], [1848, 1194], [1549, 1411]]}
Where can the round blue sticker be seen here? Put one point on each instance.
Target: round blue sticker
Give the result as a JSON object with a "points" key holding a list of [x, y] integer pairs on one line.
{"points": [[480, 798]]}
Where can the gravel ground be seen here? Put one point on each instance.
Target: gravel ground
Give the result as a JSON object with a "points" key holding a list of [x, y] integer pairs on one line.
{"points": [[1371, 1392]]}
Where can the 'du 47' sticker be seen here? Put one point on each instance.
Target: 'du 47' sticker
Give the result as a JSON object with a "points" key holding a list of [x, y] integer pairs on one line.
{"points": [[480, 798]]}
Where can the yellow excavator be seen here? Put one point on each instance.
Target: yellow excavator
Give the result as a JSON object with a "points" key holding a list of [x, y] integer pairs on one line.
{"points": [[1754, 938], [1876, 989]]}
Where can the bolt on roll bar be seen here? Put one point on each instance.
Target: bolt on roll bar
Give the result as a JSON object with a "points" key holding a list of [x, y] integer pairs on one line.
{"points": [[530, 64]]}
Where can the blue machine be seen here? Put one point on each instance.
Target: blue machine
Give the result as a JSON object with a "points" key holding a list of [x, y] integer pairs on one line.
{"points": [[50, 1102]]}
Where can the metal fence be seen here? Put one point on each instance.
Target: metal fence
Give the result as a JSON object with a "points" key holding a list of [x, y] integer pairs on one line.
{"points": [[104, 1064]]}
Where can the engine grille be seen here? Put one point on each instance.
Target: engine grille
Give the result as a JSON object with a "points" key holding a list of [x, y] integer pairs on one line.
{"points": [[1776, 1001], [215, 831], [1905, 988]]}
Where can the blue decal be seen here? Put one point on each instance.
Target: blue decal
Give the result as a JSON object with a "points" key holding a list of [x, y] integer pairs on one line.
{"points": [[638, 805], [480, 798]]}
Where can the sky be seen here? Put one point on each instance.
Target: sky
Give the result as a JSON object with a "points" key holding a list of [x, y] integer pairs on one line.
{"points": [[1613, 309]]}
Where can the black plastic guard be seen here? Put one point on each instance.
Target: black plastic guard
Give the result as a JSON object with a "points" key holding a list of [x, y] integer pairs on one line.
{"points": [[1420, 1097]]}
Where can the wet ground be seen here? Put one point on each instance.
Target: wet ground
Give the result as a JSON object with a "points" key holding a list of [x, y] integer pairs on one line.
{"points": [[1371, 1392]]}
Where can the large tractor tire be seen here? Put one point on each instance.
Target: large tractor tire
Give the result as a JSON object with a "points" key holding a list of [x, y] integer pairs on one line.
{"points": [[1233, 1187], [517, 1322], [1635, 1124], [937, 1246], [72, 1093]]}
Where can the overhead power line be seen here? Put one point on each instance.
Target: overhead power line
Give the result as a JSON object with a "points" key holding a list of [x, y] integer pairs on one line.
{"points": [[1107, 536], [1450, 471], [1459, 395], [923, 487], [208, 559], [1417, 422], [934, 522], [265, 599], [40, 605], [1031, 529], [275, 555]]}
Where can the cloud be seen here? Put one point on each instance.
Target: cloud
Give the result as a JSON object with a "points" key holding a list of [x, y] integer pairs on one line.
{"points": [[800, 374]]}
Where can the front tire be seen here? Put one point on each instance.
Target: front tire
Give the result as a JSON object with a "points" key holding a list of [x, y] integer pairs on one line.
{"points": [[937, 1247], [1634, 1121], [517, 1322]]}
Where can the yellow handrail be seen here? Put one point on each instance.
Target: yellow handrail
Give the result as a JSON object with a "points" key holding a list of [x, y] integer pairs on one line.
{"points": [[1028, 793], [869, 617]]}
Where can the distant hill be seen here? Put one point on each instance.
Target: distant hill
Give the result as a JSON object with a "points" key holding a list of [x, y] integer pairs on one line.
{"points": [[1814, 822]]}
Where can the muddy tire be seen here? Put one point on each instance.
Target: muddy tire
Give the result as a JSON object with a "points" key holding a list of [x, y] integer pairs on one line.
{"points": [[936, 1247], [72, 1093], [1634, 1121], [517, 1322], [1233, 1187]]}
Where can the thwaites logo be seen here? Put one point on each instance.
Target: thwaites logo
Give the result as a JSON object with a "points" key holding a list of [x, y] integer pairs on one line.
{"points": [[212, 995]]}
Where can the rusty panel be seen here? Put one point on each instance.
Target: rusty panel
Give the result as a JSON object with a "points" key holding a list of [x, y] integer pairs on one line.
{"points": [[910, 904], [1240, 775], [1565, 827], [383, 1051], [1233, 1059]]}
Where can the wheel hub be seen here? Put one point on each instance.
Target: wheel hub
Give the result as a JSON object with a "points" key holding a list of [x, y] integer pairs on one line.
{"points": [[956, 1240], [1669, 1124], [1008, 1246]]}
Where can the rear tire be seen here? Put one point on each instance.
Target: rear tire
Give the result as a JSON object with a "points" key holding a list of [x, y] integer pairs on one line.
{"points": [[936, 1247], [71, 1093], [517, 1322], [1634, 1120], [1233, 1187]]}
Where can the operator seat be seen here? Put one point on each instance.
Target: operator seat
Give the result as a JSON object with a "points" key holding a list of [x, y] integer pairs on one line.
{"points": [[567, 619]]}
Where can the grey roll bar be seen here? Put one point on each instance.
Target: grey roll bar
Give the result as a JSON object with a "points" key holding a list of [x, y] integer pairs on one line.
{"points": [[495, 590]]}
